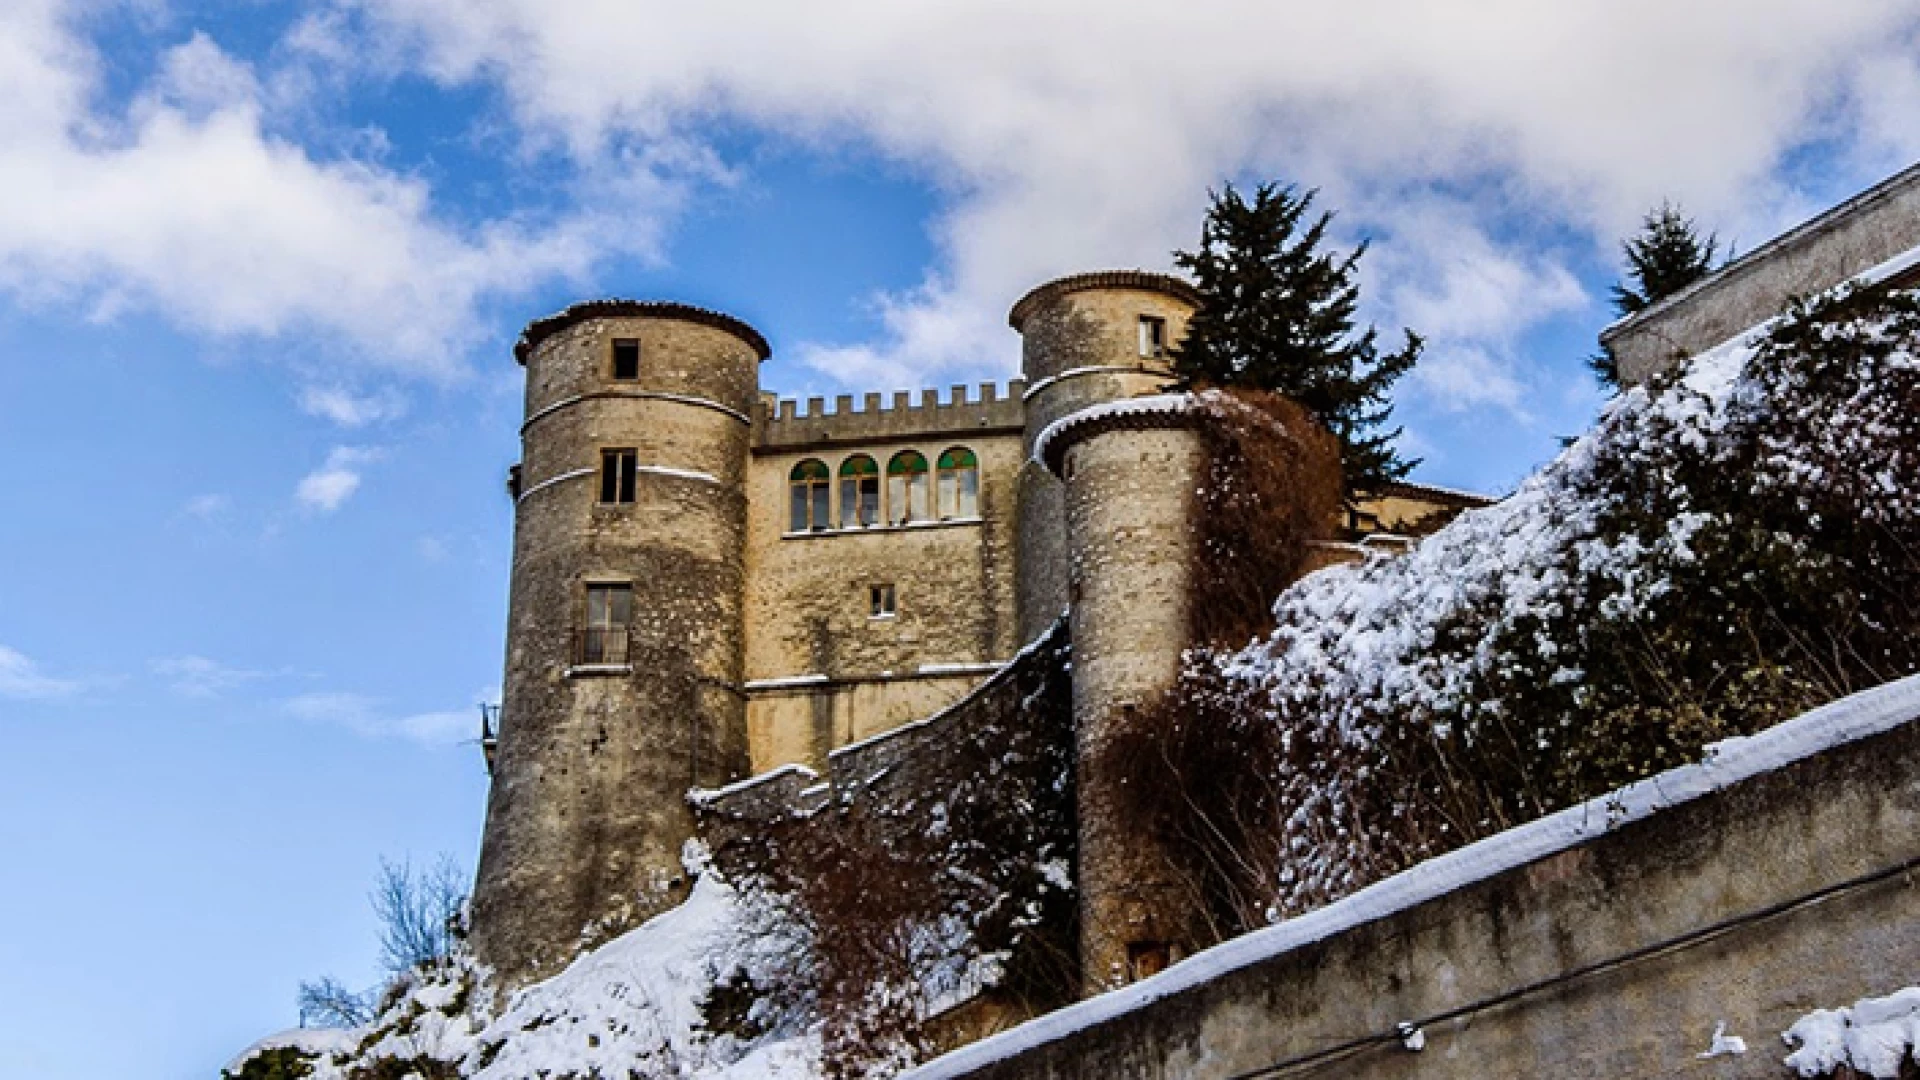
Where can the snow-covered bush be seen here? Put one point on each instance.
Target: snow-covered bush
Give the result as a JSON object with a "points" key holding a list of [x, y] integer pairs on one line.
{"points": [[1723, 551]]}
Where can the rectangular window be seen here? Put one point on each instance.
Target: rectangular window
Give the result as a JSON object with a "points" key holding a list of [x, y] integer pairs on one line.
{"points": [[880, 601], [1153, 336], [618, 472], [609, 618], [626, 359], [1145, 959], [859, 500]]}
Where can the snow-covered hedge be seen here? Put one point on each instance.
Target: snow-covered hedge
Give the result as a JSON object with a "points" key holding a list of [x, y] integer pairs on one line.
{"points": [[1722, 551]]}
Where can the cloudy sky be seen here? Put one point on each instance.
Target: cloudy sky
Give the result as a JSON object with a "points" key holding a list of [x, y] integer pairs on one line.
{"points": [[261, 264]]}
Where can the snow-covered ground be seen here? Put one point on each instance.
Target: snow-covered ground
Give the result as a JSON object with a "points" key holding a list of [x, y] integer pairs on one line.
{"points": [[635, 1006], [1874, 1036]]}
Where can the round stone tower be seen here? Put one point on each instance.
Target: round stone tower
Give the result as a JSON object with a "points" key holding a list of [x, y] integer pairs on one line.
{"points": [[624, 634], [1085, 339], [1130, 472]]}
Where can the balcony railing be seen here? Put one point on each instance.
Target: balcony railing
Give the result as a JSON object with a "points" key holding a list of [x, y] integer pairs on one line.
{"points": [[602, 646]]}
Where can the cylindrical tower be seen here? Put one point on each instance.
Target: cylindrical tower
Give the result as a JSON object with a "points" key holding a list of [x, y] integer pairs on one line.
{"points": [[1085, 339], [624, 633], [1130, 473]]}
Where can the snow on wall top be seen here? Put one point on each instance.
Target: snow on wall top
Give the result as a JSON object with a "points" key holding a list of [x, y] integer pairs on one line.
{"points": [[1129, 410], [1727, 763]]}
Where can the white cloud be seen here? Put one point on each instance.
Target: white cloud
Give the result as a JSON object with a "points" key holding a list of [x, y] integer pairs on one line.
{"points": [[366, 716], [200, 677], [22, 680], [190, 203], [326, 488], [1069, 134], [1061, 134], [208, 507], [1472, 299], [348, 408]]}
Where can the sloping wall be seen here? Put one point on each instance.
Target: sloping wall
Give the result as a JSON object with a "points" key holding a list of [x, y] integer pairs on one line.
{"points": [[1875, 226], [1605, 941]]}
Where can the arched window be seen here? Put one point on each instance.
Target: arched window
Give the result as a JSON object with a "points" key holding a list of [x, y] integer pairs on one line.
{"points": [[809, 483], [907, 488], [859, 492], [959, 484]]}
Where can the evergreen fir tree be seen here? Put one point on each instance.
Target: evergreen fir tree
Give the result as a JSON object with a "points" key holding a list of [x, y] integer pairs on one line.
{"points": [[1277, 313], [1666, 256]]}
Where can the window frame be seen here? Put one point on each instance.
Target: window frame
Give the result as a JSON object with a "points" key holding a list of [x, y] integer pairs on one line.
{"points": [[909, 493], [856, 480], [619, 475], [613, 365], [956, 508], [1153, 336], [601, 652], [883, 600], [809, 498]]}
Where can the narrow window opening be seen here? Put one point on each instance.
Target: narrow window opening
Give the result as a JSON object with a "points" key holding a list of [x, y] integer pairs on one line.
{"points": [[859, 492], [880, 601], [605, 637], [626, 359], [1153, 336], [619, 470]]}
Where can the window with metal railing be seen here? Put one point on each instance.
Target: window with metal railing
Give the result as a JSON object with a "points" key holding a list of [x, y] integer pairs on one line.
{"points": [[606, 636]]}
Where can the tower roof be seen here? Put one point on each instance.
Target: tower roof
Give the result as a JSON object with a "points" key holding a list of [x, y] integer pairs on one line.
{"points": [[1178, 288], [540, 330]]}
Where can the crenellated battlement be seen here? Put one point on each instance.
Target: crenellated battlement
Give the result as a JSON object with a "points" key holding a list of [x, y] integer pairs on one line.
{"points": [[792, 424]]}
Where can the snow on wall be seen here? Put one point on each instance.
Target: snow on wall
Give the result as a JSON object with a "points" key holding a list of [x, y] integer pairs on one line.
{"points": [[1860, 716], [1874, 1036]]}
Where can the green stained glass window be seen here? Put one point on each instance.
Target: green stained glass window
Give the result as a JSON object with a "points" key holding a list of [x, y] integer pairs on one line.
{"points": [[859, 492], [809, 484], [907, 488], [959, 484]]}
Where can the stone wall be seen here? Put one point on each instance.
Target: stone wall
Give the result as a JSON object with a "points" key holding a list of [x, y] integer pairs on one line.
{"points": [[1605, 941], [976, 799], [585, 818], [807, 605], [1850, 239], [1079, 346]]}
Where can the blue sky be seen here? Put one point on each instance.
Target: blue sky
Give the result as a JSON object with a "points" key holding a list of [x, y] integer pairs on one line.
{"points": [[261, 266]]}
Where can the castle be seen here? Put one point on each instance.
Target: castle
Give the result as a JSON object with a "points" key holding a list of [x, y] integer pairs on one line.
{"points": [[709, 583]]}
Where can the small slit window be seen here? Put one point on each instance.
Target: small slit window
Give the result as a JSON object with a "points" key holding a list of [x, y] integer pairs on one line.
{"points": [[604, 638], [808, 486], [880, 600], [959, 484], [1153, 335], [626, 359], [618, 473], [907, 494], [859, 492]]}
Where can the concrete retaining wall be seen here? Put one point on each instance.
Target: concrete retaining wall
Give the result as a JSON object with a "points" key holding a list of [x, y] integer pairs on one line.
{"points": [[1850, 239], [1606, 941]]}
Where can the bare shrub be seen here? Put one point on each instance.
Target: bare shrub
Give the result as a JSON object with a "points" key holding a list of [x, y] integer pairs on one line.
{"points": [[420, 913], [943, 873]]}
